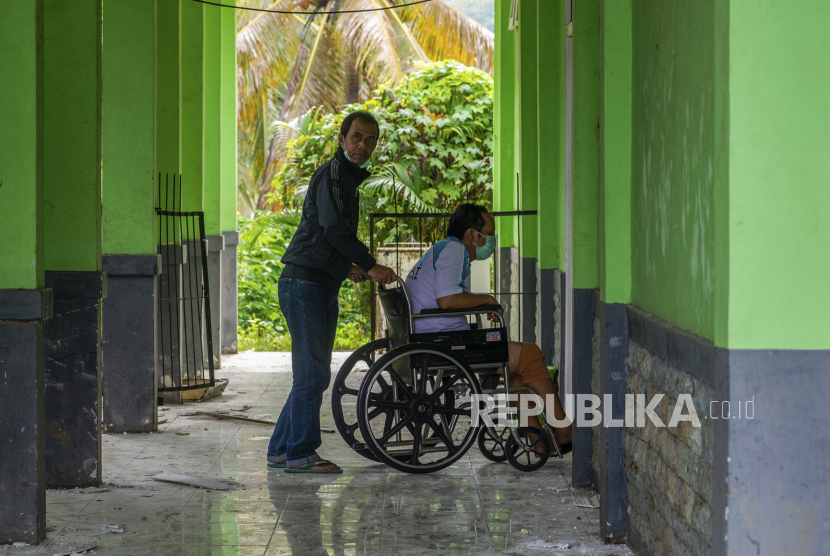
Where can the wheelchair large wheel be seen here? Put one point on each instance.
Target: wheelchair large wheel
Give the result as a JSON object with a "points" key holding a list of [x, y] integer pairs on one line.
{"points": [[406, 419], [344, 396]]}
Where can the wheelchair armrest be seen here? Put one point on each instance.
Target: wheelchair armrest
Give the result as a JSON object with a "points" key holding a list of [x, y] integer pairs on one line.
{"points": [[463, 311]]}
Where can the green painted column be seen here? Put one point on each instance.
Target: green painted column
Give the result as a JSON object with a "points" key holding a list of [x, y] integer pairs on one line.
{"points": [[130, 233], [72, 135], [227, 100], [22, 473], [21, 145], [504, 196], [585, 142], [228, 118], [213, 118], [193, 105], [128, 179], [168, 21], [614, 224], [526, 126], [551, 132]]}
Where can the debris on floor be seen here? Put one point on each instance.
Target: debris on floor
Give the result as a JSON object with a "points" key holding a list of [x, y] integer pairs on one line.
{"points": [[210, 484], [206, 393], [234, 418], [589, 502]]}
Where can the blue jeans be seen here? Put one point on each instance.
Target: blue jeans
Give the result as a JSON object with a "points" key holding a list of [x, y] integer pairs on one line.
{"points": [[311, 312]]}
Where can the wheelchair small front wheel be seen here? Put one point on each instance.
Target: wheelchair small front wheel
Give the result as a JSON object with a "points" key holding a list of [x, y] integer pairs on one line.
{"points": [[531, 454]]}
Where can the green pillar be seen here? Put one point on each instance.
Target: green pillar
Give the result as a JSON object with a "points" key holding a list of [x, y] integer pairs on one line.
{"points": [[551, 132], [21, 145], [228, 119], [213, 118], [72, 233], [503, 128], [72, 135], [168, 20], [614, 225], [227, 100], [526, 125], [585, 142], [128, 188], [23, 499], [193, 105]]}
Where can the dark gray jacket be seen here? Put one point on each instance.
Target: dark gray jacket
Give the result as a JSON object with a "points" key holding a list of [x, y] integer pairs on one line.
{"points": [[325, 244]]}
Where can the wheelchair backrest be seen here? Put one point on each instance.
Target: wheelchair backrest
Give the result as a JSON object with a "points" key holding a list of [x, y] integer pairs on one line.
{"points": [[398, 311]]}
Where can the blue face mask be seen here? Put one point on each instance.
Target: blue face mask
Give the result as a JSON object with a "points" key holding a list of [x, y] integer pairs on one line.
{"points": [[487, 249], [364, 165]]}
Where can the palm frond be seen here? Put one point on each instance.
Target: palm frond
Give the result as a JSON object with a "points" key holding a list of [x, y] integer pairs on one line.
{"points": [[445, 33], [396, 180]]}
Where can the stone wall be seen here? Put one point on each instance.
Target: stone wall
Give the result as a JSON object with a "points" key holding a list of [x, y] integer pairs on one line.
{"points": [[669, 471], [557, 332]]}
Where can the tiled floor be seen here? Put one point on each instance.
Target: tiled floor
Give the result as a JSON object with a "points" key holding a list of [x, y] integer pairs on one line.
{"points": [[473, 508]]}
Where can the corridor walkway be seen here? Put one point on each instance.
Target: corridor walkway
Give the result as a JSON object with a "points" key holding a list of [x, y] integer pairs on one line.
{"points": [[474, 508]]}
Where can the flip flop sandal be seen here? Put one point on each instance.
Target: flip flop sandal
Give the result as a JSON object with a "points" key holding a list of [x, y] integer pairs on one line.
{"points": [[280, 465], [309, 468]]}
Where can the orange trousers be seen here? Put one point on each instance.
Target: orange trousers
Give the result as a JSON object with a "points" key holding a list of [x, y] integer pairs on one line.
{"points": [[532, 366]]}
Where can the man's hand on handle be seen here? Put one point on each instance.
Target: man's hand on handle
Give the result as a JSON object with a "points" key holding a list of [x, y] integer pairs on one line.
{"points": [[382, 274], [358, 275]]}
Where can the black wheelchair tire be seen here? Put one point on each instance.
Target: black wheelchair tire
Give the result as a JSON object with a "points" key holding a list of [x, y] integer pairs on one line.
{"points": [[515, 451]]}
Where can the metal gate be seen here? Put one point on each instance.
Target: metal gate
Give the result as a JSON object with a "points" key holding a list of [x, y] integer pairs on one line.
{"points": [[185, 345]]}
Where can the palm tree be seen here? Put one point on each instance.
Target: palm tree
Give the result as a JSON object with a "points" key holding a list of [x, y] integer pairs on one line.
{"points": [[291, 63]]}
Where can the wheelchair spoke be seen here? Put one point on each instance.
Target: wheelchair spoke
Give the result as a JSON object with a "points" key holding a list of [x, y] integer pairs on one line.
{"points": [[394, 430], [422, 383], [402, 386], [400, 406], [442, 435], [351, 428], [384, 386], [344, 390], [374, 413], [448, 383]]}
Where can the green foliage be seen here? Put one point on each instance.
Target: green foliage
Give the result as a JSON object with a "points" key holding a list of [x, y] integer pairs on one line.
{"points": [[436, 141], [436, 150], [262, 327]]}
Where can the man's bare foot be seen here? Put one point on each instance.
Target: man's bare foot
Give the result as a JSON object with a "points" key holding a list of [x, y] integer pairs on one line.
{"points": [[327, 466]]}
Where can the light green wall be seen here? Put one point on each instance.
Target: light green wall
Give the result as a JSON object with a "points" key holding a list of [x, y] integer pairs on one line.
{"points": [[503, 125], [672, 219], [585, 142], [779, 175], [21, 144], [128, 181], [167, 93], [550, 144], [193, 105], [614, 219], [72, 135], [213, 120], [525, 157], [228, 108]]}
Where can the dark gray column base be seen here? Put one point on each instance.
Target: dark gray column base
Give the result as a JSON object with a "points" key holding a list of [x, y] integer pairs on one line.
{"points": [[22, 432], [26, 304], [216, 245], [546, 314], [129, 320], [772, 501], [528, 286], [560, 326], [583, 332], [504, 278], [72, 339], [613, 378], [229, 298]]}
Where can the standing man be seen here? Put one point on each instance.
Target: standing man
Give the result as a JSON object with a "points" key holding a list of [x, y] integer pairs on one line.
{"points": [[323, 252]]}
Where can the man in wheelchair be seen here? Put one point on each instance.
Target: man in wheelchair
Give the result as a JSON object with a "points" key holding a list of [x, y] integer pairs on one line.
{"points": [[441, 280]]}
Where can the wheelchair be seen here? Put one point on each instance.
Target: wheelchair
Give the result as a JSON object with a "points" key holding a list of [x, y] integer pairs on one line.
{"points": [[414, 404]]}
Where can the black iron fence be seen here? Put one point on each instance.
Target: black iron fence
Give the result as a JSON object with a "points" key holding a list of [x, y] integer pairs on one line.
{"points": [[185, 356]]}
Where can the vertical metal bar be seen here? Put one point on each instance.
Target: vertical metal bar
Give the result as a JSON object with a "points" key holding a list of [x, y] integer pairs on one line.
{"points": [[567, 374], [372, 301], [189, 296], [170, 275], [158, 289], [177, 296], [206, 294]]}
